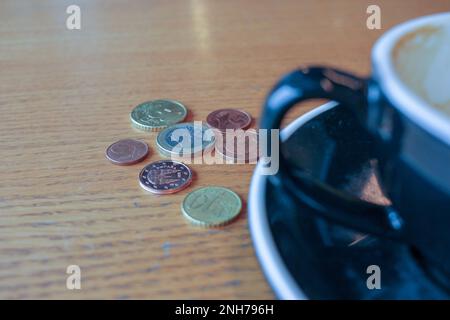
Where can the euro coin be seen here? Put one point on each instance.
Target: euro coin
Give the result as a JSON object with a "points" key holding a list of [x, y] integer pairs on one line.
{"points": [[211, 206], [165, 177], [158, 114], [223, 119], [242, 147], [185, 139], [127, 152]]}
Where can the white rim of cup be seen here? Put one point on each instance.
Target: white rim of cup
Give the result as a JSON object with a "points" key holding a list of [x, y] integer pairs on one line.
{"points": [[403, 98], [273, 266]]}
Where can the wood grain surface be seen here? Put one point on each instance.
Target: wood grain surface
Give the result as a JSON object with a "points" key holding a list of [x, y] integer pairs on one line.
{"points": [[66, 95]]}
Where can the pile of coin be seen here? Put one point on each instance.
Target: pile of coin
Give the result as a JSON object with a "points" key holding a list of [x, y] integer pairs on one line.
{"points": [[223, 120], [210, 206]]}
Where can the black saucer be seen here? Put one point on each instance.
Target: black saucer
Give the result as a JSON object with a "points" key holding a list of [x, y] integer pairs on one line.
{"points": [[304, 256]]}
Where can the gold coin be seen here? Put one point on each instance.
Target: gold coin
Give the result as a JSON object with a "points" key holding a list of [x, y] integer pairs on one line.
{"points": [[158, 114], [211, 206]]}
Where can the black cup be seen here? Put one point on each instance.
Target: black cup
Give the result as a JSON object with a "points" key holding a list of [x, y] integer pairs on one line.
{"points": [[412, 144]]}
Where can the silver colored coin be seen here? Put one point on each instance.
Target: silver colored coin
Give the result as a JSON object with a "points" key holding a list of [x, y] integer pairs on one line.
{"points": [[185, 139]]}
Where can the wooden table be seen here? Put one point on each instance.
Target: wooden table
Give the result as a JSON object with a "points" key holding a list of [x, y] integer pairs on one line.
{"points": [[65, 95]]}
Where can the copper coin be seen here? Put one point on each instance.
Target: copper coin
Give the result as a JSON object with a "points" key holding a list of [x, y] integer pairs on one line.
{"points": [[223, 119], [243, 149], [127, 151], [165, 177]]}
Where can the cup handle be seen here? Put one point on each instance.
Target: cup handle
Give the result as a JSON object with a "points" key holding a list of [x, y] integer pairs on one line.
{"points": [[333, 204]]}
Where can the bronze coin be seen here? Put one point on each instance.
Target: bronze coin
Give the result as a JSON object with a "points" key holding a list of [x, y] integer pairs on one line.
{"points": [[223, 119], [243, 149], [165, 177], [126, 152]]}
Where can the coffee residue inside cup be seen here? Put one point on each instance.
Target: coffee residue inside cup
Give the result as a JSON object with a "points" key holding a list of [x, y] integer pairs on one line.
{"points": [[422, 61]]}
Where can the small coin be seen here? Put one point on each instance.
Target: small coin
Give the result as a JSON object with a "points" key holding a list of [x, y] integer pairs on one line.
{"points": [[223, 119], [185, 139], [242, 149], [211, 206], [165, 177], [127, 151], [158, 114]]}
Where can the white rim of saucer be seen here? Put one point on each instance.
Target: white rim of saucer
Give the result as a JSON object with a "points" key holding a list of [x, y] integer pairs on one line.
{"points": [[410, 104], [273, 266]]}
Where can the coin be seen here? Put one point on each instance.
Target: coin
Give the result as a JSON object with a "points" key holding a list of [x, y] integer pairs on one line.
{"points": [[158, 114], [223, 119], [211, 206], [244, 148], [127, 151], [165, 176], [185, 139]]}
